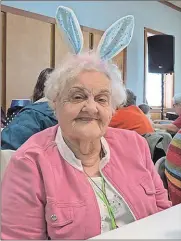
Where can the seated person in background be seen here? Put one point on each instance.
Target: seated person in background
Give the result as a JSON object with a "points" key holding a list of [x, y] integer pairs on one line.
{"points": [[146, 110], [16, 106], [173, 169], [31, 119], [174, 126], [130, 117], [38, 92], [80, 178], [3, 118]]}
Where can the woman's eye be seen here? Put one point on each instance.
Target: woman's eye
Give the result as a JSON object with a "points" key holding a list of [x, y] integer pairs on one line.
{"points": [[78, 98], [102, 100]]}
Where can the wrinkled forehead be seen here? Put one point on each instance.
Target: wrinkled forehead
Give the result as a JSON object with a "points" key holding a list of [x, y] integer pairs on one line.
{"points": [[90, 81]]}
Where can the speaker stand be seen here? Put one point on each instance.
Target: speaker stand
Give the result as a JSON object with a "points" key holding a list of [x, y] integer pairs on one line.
{"points": [[162, 90]]}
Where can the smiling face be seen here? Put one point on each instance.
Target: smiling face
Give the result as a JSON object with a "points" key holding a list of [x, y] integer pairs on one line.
{"points": [[84, 111]]}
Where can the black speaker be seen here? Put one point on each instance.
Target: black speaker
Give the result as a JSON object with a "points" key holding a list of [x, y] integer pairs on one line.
{"points": [[161, 54]]}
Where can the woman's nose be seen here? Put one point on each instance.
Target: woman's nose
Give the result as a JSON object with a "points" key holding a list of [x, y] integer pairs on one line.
{"points": [[90, 106]]}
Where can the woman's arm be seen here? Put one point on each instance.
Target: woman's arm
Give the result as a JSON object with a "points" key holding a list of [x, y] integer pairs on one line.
{"points": [[161, 193], [23, 201], [158, 121], [20, 129], [167, 127]]}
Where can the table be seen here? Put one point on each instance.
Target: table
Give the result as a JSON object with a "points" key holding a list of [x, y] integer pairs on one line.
{"points": [[171, 116], [162, 225]]}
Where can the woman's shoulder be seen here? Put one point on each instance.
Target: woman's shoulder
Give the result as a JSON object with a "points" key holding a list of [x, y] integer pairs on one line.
{"points": [[39, 141], [128, 145], [36, 151], [123, 137]]}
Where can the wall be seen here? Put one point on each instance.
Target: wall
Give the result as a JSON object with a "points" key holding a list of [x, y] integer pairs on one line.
{"points": [[100, 14]]}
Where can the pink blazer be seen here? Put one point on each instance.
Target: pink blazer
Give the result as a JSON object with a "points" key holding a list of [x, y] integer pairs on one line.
{"points": [[44, 196]]}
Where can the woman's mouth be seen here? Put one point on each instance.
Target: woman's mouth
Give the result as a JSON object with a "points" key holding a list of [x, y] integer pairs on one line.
{"points": [[87, 119]]}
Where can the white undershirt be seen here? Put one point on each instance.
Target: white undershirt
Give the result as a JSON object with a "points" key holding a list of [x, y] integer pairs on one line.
{"points": [[120, 210]]}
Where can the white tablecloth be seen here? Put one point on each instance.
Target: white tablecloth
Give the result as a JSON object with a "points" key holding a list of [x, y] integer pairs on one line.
{"points": [[163, 225]]}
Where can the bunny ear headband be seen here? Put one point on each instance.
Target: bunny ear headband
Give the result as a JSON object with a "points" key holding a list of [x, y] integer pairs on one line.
{"points": [[114, 40]]}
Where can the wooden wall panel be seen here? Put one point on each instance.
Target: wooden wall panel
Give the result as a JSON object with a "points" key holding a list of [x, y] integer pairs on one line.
{"points": [[96, 39], [62, 48], [27, 53], [86, 40], [3, 61], [118, 60]]}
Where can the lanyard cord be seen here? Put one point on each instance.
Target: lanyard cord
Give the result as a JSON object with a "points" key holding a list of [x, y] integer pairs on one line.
{"points": [[105, 200]]}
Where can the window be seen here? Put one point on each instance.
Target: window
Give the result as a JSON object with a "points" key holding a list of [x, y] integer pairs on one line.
{"points": [[153, 82], [153, 89]]}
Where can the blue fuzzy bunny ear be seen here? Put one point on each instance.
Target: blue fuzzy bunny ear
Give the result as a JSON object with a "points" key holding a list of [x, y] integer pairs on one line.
{"points": [[69, 26], [116, 38]]}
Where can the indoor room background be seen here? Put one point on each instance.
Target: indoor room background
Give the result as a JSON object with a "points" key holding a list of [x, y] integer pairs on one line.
{"points": [[100, 15]]}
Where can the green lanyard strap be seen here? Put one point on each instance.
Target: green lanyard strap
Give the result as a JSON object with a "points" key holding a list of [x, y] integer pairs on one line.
{"points": [[104, 199]]}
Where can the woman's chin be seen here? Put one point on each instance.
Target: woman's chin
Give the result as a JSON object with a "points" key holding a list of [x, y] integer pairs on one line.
{"points": [[88, 133]]}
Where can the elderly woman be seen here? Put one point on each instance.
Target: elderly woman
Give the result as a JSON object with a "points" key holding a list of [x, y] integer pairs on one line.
{"points": [[174, 126], [80, 178]]}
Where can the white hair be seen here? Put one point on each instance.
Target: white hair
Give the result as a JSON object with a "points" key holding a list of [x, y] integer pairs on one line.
{"points": [[73, 65], [177, 98]]}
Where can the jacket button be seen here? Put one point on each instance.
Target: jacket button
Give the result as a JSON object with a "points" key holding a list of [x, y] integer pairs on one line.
{"points": [[54, 217]]}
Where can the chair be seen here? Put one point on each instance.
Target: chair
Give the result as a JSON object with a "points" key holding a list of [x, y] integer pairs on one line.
{"points": [[160, 167], [158, 143], [5, 158]]}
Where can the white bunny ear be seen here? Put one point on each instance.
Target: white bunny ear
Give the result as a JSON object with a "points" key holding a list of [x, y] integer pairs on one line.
{"points": [[116, 38], [69, 25]]}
